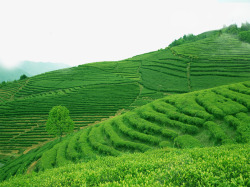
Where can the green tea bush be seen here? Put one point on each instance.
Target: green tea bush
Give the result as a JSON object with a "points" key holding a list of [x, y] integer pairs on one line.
{"points": [[186, 141], [48, 159], [86, 152], [135, 135], [244, 128], [120, 143], [61, 154], [206, 100], [149, 114], [144, 125], [102, 148], [238, 97], [187, 104], [233, 121], [71, 151], [212, 166], [175, 115], [215, 130]]}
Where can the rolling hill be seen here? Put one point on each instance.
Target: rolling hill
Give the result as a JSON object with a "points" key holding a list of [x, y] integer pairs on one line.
{"points": [[97, 91], [162, 99], [207, 118]]}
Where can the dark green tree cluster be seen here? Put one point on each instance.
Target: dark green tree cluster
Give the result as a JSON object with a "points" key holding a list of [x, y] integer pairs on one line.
{"points": [[2, 84], [192, 38], [184, 39], [23, 77], [245, 36], [242, 32]]}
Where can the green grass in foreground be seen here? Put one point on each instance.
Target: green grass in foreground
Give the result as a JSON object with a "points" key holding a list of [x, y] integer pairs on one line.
{"points": [[214, 166]]}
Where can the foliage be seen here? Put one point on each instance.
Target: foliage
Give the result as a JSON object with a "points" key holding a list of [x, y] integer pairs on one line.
{"points": [[214, 166], [245, 36], [97, 91], [22, 77], [245, 26], [183, 121], [186, 141], [59, 121], [232, 29]]}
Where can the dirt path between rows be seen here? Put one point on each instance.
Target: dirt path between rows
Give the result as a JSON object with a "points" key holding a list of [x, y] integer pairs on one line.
{"points": [[32, 166]]}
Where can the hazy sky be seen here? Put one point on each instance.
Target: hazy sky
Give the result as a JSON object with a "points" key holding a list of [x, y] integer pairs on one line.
{"points": [[81, 31]]}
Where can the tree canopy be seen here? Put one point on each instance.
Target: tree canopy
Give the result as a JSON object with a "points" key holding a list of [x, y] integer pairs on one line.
{"points": [[23, 77], [59, 121]]}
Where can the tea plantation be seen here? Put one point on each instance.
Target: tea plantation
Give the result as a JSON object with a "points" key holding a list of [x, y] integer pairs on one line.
{"points": [[164, 107], [97, 91], [214, 166], [212, 117]]}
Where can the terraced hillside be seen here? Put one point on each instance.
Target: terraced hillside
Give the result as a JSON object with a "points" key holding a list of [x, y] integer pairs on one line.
{"points": [[215, 60], [204, 118], [97, 91]]}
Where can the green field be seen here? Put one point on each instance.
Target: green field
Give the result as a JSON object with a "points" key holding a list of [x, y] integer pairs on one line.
{"points": [[173, 105]]}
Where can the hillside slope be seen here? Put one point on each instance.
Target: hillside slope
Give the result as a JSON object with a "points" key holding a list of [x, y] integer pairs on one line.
{"points": [[216, 166], [97, 91], [204, 118]]}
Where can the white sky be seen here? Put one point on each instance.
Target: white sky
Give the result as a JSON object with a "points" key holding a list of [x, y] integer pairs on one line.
{"points": [[81, 31]]}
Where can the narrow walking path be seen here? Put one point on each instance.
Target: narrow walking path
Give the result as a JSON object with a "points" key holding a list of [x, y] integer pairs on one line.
{"points": [[188, 76]]}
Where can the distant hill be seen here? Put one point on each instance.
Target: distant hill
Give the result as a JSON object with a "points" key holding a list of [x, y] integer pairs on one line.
{"points": [[11, 74], [35, 68], [28, 68]]}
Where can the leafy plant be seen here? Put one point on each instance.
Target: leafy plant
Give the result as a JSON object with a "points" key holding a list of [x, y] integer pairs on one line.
{"points": [[59, 121]]}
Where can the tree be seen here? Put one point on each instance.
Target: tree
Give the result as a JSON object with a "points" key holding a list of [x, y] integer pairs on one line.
{"points": [[245, 36], [245, 26], [23, 77], [59, 121]]}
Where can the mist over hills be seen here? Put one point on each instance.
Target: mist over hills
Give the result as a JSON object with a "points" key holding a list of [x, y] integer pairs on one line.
{"points": [[28, 68]]}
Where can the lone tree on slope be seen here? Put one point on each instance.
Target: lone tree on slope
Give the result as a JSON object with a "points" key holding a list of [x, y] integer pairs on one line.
{"points": [[59, 121], [23, 77]]}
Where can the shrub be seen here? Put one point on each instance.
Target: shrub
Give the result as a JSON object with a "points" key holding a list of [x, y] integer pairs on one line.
{"points": [[245, 36], [186, 141], [94, 142], [215, 130], [135, 134], [118, 142]]}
